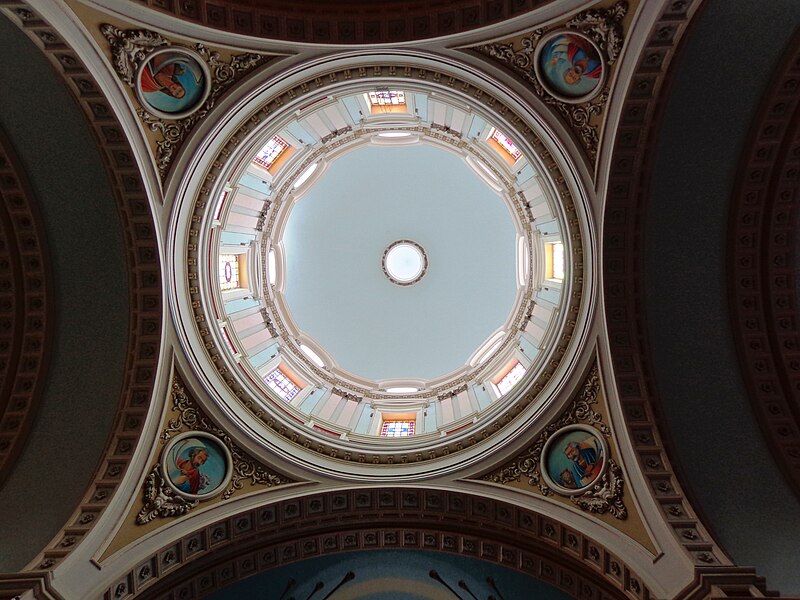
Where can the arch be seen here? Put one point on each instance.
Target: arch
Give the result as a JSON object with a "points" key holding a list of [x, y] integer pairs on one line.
{"points": [[763, 260], [26, 307], [258, 539], [142, 270], [352, 22]]}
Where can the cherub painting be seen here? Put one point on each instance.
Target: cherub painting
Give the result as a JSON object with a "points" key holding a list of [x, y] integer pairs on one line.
{"points": [[575, 459], [570, 66], [172, 82], [196, 465]]}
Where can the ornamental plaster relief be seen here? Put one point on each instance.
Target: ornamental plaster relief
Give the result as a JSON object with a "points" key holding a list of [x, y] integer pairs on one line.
{"points": [[609, 497], [127, 47], [606, 25], [157, 501]]}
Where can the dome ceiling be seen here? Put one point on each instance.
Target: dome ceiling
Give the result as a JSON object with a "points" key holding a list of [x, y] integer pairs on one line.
{"points": [[335, 237], [312, 327], [273, 212]]}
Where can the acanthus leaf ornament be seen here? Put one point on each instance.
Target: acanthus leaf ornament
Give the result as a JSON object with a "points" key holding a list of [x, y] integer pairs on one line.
{"points": [[606, 493], [130, 48], [604, 27], [160, 500]]}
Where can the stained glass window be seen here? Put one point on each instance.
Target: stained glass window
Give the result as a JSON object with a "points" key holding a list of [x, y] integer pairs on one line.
{"points": [[270, 152], [398, 428], [506, 144], [510, 379], [283, 386], [228, 271], [386, 97]]}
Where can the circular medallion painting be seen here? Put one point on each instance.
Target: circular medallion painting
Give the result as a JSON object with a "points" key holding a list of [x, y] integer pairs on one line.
{"points": [[570, 66], [573, 459], [196, 465], [173, 82]]}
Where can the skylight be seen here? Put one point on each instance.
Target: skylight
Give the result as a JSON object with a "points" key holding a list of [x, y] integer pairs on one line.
{"points": [[312, 355], [402, 390], [271, 266], [306, 174]]}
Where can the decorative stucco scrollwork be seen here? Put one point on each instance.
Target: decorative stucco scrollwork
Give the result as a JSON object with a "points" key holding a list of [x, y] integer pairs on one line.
{"points": [[131, 47], [159, 499], [606, 494], [604, 26]]}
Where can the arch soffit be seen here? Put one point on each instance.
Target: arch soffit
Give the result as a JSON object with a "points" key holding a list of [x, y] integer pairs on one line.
{"points": [[265, 537], [763, 262], [26, 307], [144, 271]]}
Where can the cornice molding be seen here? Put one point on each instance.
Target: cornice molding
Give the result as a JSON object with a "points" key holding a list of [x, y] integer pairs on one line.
{"points": [[715, 583], [763, 247], [26, 308], [144, 274]]}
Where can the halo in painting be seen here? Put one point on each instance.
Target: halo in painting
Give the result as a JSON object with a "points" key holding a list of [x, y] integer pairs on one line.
{"points": [[172, 82], [196, 465], [573, 459], [570, 66]]}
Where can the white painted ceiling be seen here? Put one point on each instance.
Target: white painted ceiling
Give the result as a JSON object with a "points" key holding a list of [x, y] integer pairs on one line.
{"points": [[336, 235]]}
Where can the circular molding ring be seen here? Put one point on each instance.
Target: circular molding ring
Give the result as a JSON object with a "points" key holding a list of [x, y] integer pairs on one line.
{"points": [[423, 263], [283, 195], [173, 116], [549, 444], [220, 375], [543, 80]]}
